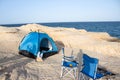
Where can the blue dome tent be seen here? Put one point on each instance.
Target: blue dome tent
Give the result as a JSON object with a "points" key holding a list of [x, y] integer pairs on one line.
{"points": [[36, 42]]}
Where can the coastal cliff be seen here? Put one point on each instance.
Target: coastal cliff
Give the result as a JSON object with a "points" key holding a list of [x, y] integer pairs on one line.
{"points": [[97, 44]]}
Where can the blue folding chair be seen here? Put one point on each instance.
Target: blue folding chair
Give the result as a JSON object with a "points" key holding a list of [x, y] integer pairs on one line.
{"points": [[90, 68], [69, 66]]}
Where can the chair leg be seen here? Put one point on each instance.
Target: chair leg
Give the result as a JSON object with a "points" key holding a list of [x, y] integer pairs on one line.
{"points": [[75, 74], [65, 71], [81, 76], [62, 70]]}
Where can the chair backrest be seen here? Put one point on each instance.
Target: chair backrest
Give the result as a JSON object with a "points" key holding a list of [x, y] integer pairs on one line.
{"points": [[70, 51], [89, 66], [63, 54]]}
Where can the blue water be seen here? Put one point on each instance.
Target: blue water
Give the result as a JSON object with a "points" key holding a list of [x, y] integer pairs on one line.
{"points": [[113, 28]]}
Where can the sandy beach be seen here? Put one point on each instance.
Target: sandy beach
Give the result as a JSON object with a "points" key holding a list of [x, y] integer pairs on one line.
{"points": [[17, 67]]}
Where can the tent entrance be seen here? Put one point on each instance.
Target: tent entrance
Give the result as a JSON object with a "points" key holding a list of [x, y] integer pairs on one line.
{"points": [[45, 45]]}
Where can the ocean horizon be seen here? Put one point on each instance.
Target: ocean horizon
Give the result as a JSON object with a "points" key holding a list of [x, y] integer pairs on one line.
{"points": [[111, 27]]}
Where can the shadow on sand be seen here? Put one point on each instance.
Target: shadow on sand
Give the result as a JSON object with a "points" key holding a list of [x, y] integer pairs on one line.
{"points": [[7, 65]]}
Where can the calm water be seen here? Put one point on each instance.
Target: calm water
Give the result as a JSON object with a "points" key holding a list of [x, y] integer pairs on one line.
{"points": [[113, 28]]}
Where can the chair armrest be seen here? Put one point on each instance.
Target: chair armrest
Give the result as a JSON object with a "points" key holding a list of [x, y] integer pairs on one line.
{"points": [[71, 58]]}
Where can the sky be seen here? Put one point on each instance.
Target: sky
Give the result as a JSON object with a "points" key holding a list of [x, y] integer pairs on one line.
{"points": [[44, 11]]}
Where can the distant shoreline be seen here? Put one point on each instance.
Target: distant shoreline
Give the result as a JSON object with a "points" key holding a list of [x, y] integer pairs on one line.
{"points": [[60, 22], [111, 27]]}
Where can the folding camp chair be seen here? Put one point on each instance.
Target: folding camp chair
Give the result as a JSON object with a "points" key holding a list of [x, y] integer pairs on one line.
{"points": [[69, 65], [90, 68]]}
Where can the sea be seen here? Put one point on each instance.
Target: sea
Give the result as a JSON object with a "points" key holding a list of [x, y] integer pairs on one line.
{"points": [[112, 28]]}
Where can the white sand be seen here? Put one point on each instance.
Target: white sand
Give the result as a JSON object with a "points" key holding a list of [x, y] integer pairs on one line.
{"points": [[16, 67]]}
